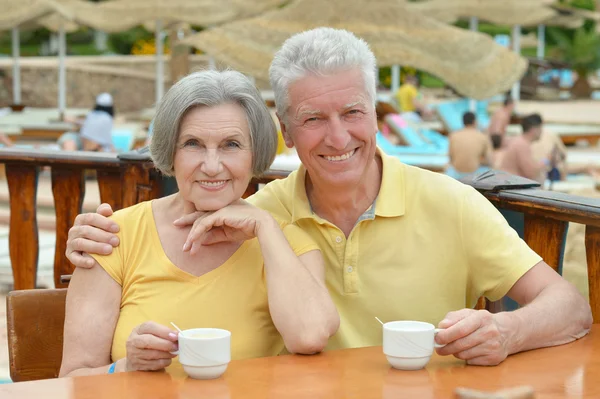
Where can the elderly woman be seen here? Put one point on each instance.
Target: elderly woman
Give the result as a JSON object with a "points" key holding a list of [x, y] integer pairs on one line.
{"points": [[258, 278]]}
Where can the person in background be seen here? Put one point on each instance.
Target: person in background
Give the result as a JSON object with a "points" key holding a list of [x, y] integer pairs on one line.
{"points": [[518, 157], [96, 131], [409, 100], [550, 146], [470, 150], [501, 119]]}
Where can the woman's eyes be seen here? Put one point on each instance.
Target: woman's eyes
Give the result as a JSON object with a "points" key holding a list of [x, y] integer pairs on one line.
{"points": [[232, 144], [190, 143], [228, 145]]}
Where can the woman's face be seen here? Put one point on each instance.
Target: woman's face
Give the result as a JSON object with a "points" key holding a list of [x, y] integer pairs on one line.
{"points": [[213, 157]]}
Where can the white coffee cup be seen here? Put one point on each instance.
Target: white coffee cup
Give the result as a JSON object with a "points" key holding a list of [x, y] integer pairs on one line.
{"points": [[408, 345], [204, 353]]}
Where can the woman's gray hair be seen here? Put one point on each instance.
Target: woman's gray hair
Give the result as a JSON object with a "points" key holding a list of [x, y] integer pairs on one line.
{"points": [[321, 52], [211, 88]]}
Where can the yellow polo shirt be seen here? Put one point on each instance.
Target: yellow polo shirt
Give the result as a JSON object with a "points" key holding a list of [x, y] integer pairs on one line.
{"points": [[428, 245]]}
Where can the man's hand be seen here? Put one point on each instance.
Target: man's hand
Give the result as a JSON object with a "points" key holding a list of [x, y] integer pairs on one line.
{"points": [[476, 336], [92, 233]]}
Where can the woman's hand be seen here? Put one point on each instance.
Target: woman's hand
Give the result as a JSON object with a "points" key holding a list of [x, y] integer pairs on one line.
{"points": [[149, 347], [239, 221]]}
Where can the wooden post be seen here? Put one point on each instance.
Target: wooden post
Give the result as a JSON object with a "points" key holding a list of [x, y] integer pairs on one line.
{"points": [[68, 188], [546, 237], [592, 249], [23, 234], [111, 187]]}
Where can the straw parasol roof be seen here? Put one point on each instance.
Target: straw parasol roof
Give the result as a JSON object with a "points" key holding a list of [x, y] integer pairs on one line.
{"points": [[470, 62], [506, 12], [115, 16], [566, 21], [23, 12], [502, 12]]}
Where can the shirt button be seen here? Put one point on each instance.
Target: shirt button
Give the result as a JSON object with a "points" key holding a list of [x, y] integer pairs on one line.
{"points": [[338, 239], [349, 269]]}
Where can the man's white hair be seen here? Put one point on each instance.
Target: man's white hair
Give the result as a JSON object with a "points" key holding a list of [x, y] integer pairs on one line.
{"points": [[321, 52]]}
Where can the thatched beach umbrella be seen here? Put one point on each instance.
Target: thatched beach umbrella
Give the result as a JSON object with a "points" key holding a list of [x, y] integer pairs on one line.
{"points": [[24, 13], [501, 12], [516, 13], [120, 15], [470, 62], [115, 16]]}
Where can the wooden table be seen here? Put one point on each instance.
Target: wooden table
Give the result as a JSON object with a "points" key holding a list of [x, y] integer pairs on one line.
{"points": [[569, 371]]}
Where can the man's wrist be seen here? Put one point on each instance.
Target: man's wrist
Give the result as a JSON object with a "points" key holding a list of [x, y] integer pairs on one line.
{"points": [[509, 325]]}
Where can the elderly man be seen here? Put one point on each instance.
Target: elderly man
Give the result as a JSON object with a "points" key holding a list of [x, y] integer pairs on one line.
{"points": [[399, 242]]}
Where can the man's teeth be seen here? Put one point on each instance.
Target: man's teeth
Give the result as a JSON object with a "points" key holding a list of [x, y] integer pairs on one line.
{"points": [[339, 157], [213, 183]]}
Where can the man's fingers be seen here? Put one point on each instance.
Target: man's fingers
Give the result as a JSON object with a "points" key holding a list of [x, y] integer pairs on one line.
{"points": [[461, 345], [91, 247], [454, 317], [98, 235], [104, 209], [96, 220], [459, 330], [484, 361], [80, 260]]}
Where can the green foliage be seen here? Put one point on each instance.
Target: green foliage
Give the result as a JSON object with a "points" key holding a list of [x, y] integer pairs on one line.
{"points": [[585, 4], [582, 51], [122, 42]]}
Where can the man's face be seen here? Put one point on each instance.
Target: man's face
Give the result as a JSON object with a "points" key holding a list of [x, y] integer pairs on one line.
{"points": [[332, 123]]}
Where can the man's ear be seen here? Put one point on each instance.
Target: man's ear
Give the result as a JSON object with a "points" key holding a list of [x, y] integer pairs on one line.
{"points": [[284, 132]]}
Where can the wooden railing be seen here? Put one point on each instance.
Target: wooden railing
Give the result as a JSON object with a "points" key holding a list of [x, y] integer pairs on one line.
{"points": [[121, 183], [546, 216], [131, 179]]}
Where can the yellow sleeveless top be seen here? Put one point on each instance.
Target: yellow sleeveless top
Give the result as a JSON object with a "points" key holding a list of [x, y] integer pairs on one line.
{"points": [[233, 296]]}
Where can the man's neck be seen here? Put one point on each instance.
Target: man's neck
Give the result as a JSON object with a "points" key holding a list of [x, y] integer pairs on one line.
{"points": [[343, 206]]}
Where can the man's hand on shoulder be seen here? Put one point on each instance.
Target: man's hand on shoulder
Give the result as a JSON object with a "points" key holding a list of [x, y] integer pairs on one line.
{"points": [[92, 233]]}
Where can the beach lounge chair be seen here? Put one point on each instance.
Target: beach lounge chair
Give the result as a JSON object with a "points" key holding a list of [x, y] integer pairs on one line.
{"points": [[451, 114]]}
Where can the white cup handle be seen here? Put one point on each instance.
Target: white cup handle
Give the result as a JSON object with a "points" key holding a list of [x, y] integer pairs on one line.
{"points": [[435, 344]]}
